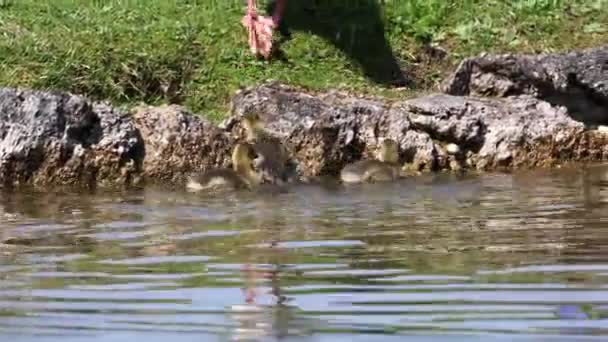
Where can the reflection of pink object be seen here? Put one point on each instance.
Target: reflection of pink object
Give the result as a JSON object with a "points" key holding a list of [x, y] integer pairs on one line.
{"points": [[260, 28], [251, 276]]}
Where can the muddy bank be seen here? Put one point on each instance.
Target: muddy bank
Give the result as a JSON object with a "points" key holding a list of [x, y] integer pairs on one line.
{"points": [[503, 111]]}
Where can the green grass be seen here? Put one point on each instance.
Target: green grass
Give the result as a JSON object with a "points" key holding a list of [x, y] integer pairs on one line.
{"points": [[194, 52]]}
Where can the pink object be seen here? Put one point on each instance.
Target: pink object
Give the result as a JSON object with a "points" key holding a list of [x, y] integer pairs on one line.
{"points": [[260, 28]]}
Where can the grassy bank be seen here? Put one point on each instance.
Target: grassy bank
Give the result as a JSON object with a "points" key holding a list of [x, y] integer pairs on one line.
{"points": [[194, 52]]}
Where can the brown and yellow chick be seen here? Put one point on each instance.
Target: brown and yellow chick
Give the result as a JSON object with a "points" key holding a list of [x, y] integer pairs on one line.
{"points": [[273, 157], [384, 168], [241, 176]]}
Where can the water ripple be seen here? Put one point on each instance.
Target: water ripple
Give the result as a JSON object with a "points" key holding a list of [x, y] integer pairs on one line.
{"points": [[439, 257]]}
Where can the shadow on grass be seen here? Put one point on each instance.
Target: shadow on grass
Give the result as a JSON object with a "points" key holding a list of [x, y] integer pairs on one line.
{"points": [[354, 26]]}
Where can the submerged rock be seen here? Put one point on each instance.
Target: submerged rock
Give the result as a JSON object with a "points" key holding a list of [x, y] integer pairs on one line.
{"points": [[62, 139], [577, 80]]}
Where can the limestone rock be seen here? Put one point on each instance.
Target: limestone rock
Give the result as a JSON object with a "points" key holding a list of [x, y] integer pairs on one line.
{"points": [[326, 131], [62, 139], [577, 80], [177, 142], [502, 111]]}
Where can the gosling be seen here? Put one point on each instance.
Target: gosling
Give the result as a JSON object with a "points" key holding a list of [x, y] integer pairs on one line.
{"points": [[241, 176], [273, 157], [385, 168]]}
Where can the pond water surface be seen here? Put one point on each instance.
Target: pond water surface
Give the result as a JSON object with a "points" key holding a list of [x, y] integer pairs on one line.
{"points": [[507, 257]]}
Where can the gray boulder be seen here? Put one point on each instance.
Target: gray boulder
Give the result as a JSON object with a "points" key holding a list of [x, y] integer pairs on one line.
{"points": [[577, 80], [505, 111], [62, 139], [326, 131], [177, 142]]}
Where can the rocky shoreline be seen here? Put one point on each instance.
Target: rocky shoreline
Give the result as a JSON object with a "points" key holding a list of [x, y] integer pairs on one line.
{"points": [[502, 111]]}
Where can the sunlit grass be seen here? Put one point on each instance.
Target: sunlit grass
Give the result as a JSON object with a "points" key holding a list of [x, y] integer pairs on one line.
{"points": [[195, 53]]}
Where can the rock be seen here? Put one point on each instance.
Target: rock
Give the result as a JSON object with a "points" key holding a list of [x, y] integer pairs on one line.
{"points": [[62, 139], [452, 149], [326, 131], [504, 111], [576, 80], [177, 143]]}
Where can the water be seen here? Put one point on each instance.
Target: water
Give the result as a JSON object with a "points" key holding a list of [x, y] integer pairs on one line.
{"points": [[505, 257]]}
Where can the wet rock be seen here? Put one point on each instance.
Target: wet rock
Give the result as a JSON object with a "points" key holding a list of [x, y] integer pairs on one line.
{"points": [[177, 142], [576, 80], [62, 139], [326, 131]]}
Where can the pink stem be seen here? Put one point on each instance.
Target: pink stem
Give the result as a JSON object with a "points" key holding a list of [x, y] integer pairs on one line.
{"points": [[251, 7]]}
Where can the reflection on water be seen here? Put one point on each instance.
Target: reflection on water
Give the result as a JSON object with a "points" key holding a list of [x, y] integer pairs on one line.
{"points": [[438, 257]]}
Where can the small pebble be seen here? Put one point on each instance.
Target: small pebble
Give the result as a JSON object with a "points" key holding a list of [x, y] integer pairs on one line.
{"points": [[452, 148], [455, 165]]}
